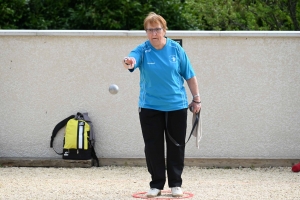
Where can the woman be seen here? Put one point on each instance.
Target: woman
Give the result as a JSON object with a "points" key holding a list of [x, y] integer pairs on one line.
{"points": [[163, 66]]}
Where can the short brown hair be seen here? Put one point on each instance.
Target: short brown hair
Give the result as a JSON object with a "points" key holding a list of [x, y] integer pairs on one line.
{"points": [[154, 18]]}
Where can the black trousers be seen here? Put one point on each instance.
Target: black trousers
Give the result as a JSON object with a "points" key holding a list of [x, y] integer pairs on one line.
{"points": [[154, 133]]}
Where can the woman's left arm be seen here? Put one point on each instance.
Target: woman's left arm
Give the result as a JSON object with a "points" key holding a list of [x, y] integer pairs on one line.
{"points": [[196, 102]]}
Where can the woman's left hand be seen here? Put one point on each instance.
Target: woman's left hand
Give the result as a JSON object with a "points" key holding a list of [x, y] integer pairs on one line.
{"points": [[196, 107]]}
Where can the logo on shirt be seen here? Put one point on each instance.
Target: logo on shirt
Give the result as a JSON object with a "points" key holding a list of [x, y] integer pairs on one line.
{"points": [[173, 58]]}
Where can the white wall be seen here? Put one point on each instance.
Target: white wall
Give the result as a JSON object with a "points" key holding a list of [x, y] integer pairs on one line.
{"points": [[249, 84]]}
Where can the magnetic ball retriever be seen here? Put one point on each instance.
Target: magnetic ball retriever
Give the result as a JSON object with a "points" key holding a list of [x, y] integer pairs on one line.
{"points": [[113, 89]]}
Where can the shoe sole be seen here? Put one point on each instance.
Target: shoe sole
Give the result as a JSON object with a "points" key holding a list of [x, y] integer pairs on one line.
{"points": [[177, 195], [151, 196]]}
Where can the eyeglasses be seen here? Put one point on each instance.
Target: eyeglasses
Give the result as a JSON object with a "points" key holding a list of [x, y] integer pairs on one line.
{"points": [[153, 30]]}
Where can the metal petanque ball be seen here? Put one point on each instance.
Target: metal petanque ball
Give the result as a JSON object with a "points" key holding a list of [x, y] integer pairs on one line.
{"points": [[113, 89]]}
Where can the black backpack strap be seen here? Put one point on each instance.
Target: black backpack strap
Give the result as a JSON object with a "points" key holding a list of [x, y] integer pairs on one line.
{"points": [[59, 126], [92, 137], [172, 139], [94, 156]]}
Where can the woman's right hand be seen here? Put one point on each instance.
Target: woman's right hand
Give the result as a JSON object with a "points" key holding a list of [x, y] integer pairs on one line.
{"points": [[129, 62]]}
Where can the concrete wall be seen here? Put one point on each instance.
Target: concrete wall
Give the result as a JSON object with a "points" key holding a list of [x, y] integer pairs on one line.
{"points": [[249, 84]]}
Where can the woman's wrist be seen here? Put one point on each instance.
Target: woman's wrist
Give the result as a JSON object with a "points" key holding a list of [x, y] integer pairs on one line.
{"points": [[198, 102], [196, 95], [196, 98]]}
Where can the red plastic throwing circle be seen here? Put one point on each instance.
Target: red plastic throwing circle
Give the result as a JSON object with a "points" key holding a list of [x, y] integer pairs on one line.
{"points": [[165, 195]]}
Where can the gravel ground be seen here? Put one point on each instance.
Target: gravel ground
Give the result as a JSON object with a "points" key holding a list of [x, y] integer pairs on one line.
{"points": [[123, 182]]}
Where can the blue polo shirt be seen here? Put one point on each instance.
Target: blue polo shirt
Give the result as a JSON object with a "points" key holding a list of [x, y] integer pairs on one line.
{"points": [[162, 75]]}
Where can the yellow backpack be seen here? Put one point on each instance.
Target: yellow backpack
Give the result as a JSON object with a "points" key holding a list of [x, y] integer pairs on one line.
{"points": [[79, 138]]}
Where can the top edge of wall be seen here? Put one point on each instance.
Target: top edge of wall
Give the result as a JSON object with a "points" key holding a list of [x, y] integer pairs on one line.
{"points": [[142, 33]]}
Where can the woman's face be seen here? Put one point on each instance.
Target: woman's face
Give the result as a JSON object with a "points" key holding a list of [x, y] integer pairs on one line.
{"points": [[156, 35]]}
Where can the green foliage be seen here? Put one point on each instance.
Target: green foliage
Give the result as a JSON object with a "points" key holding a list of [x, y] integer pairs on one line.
{"points": [[243, 14], [105, 14], [11, 13], [122, 14], [129, 14], [270, 15], [47, 14], [171, 10]]}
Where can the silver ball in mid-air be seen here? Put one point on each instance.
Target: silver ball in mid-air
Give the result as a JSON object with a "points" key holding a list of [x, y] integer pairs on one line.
{"points": [[113, 89]]}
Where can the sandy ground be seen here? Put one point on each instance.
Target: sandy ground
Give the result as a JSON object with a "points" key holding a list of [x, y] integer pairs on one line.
{"points": [[125, 182]]}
